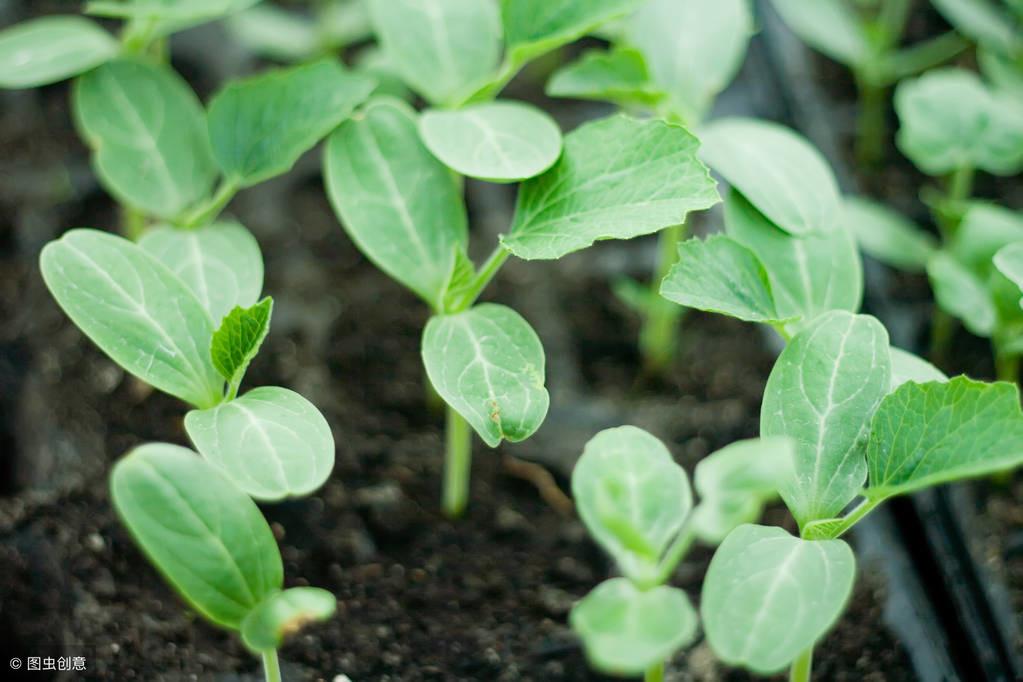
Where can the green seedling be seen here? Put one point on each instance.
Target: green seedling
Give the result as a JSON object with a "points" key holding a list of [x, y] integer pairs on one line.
{"points": [[637, 504], [867, 38], [394, 177]]}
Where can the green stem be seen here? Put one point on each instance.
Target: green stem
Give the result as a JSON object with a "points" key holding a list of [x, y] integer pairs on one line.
{"points": [[487, 271], [958, 189], [960, 185], [457, 464], [211, 208], [271, 667], [675, 552], [942, 328], [658, 338], [802, 667], [133, 222], [1006, 365], [654, 673], [866, 505], [871, 126], [511, 65]]}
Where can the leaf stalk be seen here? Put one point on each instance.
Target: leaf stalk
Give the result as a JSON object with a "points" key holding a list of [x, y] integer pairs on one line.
{"points": [[271, 666], [457, 464]]}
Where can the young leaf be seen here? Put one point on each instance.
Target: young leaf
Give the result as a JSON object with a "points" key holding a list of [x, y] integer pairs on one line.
{"points": [[399, 204], [632, 496], [777, 170], [619, 75], [220, 263], [261, 125], [809, 275], [722, 276], [694, 48], [443, 49], [164, 17], [830, 26], [983, 22], [985, 228], [136, 310], [909, 367], [769, 596], [238, 339], [736, 482], [928, 434], [487, 363], [283, 614], [625, 631], [50, 49], [148, 135], [617, 178], [888, 236], [275, 33], [206, 537], [271, 442], [1009, 261], [533, 27], [962, 293], [822, 392], [501, 141]]}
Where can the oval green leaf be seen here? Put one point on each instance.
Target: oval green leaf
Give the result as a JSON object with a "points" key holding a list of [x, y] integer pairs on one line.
{"points": [[206, 537], [961, 293], [488, 364], [887, 236], [283, 614], [50, 49]]}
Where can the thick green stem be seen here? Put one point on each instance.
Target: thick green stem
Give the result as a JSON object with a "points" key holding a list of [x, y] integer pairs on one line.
{"points": [[802, 667], [871, 125], [271, 667], [209, 210], [658, 338], [457, 464], [960, 185], [654, 673]]}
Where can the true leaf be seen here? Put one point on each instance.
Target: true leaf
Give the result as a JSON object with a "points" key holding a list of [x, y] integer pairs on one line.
{"points": [[632, 496], [501, 141], [399, 204], [626, 631], [617, 178], [443, 49], [722, 276], [768, 596], [237, 340], [928, 434], [887, 236], [50, 49], [283, 614], [822, 392], [777, 170], [207, 538], [830, 26], [136, 310], [260, 126], [271, 442], [619, 75], [962, 293], [533, 27], [220, 263], [148, 135], [487, 363], [909, 367]]}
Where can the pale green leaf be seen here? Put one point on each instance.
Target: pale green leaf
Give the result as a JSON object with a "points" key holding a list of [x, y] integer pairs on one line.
{"points": [[632, 496], [822, 392], [619, 75], [909, 367], [207, 538], [533, 27], [1009, 261], [830, 26], [399, 204], [503, 141], [777, 170], [271, 442], [220, 263], [984, 22], [928, 434], [163, 17], [887, 235], [769, 596], [487, 363], [50, 49], [260, 126], [283, 614], [148, 135], [444, 49], [238, 339], [962, 294], [273, 32], [984, 229], [374, 62], [1001, 72], [626, 631], [617, 178], [136, 310]]}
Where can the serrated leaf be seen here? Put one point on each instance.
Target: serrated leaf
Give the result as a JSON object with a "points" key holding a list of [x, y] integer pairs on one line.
{"points": [[207, 538], [769, 596], [887, 235], [533, 27], [619, 75], [832, 27], [502, 141], [283, 614], [236, 342], [694, 48], [488, 364], [722, 276], [617, 178], [777, 170], [148, 134], [399, 204], [822, 392], [909, 367], [626, 631], [928, 434], [49, 49], [632, 496], [271, 442], [221, 263], [962, 294], [260, 126], [136, 310], [443, 49], [736, 482]]}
